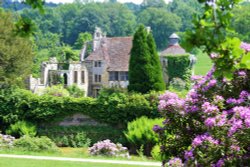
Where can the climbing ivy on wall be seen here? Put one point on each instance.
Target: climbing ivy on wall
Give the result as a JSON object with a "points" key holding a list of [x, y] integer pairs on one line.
{"points": [[179, 67]]}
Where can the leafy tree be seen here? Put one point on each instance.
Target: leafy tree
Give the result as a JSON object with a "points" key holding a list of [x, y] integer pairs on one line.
{"points": [[153, 3], [82, 39], [121, 20], [241, 21], [185, 10], [144, 64], [15, 53], [69, 54], [162, 23]]}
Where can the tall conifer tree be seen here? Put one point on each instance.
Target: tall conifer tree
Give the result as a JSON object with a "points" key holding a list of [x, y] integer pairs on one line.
{"points": [[139, 64], [158, 83], [145, 72]]}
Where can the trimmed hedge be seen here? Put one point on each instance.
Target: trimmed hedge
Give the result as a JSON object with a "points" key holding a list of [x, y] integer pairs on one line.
{"points": [[116, 109]]}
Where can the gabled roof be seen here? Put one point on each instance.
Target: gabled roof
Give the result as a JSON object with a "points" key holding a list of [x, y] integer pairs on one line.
{"points": [[173, 50], [115, 51]]}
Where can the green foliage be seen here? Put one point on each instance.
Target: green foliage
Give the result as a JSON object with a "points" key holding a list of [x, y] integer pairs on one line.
{"points": [[56, 90], [82, 39], [241, 21], [162, 23], [213, 31], [15, 52], [185, 10], [140, 132], [73, 140], [139, 73], [22, 128], [61, 135], [179, 67], [36, 144], [156, 153], [146, 75], [75, 91], [177, 84], [116, 109], [153, 3], [69, 54], [158, 83]]}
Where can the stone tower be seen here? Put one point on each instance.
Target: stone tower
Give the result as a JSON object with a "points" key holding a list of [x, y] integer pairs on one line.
{"points": [[98, 36]]}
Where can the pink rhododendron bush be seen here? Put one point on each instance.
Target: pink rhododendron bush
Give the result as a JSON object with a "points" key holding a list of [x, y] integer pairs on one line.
{"points": [[211, 126], [6, 141], [107, 148]]}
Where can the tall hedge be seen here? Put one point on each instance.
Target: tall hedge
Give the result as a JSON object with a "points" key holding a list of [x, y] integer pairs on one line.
{"points": [[116, 109], [179, 66]]}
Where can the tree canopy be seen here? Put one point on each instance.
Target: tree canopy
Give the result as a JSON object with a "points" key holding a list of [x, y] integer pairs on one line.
{"points": [[15, 53]]}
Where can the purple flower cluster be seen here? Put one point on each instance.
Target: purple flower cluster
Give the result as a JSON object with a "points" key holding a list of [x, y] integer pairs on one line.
{"points": [[243, 98], [157, 129], [189, 154], [199, 139], [170, 102], [209, 108], [213, 56], [219, 163], [6, 141], [245, 46], [107, 148], [239, 120], [175, 162]]}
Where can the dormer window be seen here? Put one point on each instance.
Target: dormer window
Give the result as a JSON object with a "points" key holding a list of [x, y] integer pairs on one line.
{"points": [[98, 63]]}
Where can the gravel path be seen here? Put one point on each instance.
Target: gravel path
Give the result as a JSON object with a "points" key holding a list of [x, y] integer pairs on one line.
{"points": [[82, 160]]}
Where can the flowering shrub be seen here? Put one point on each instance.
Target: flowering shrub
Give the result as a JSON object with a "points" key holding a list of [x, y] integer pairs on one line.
{"points": [[211, 126], [6, 141], [107, 148]]}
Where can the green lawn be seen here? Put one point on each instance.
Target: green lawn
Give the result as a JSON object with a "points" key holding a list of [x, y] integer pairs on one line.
{"points": [[72, 153], [13, 162], [203, 64]]}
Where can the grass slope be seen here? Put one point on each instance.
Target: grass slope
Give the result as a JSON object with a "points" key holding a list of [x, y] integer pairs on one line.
{"points": [[13, 162], [203, 64]]}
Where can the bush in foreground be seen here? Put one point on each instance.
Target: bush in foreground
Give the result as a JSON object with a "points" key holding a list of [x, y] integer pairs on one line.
{"points": [[139, 133], [107, 148], [36, 144], [6, 141]]}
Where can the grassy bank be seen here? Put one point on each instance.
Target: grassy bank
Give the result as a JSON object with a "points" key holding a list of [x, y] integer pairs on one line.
{"points": [[14, 162]]}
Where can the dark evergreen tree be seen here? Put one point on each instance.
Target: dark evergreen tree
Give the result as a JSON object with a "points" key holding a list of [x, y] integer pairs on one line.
{"points": [[145, 72], [139, 64], [158, 83]]}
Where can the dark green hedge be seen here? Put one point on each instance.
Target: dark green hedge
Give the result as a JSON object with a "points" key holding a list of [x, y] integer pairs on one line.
{"points": [[178, 66], [116, 109]]}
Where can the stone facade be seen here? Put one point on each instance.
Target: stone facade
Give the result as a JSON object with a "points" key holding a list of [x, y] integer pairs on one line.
{"points": [[108, 63], [54, 73]]}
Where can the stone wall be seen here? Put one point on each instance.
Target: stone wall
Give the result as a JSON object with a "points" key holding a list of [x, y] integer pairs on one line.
{"points": [[79, 119]]}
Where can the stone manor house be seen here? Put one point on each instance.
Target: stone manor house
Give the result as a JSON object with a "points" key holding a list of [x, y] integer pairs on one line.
{"points": [[106, 66]]}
